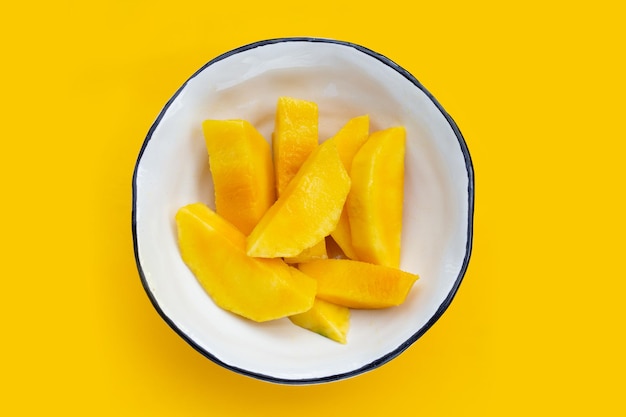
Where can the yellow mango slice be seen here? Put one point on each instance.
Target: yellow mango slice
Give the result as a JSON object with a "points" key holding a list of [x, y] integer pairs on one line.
{"points": [[243, 174], [349, 140], [295, 137], [327, 319], [357, 284], [258, 289], [307, 211], [375, 201]]}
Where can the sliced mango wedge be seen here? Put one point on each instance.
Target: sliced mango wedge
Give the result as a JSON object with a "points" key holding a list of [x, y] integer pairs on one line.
{"points": [[349, 140], [240, 160], [307, 211], [375, 201], [358, 284], [295, 137], [327, 319], [258, 289]]}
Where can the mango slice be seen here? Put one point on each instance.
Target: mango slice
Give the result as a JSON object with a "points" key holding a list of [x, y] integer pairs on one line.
{"points": [[349, 140], [376, 197], [258, 289], [295, 137], [307, 211], [327, 319], [240, 160], [357, 284]]}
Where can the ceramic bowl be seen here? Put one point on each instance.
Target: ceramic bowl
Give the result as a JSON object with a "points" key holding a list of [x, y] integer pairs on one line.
{"points": [[345, 80]]}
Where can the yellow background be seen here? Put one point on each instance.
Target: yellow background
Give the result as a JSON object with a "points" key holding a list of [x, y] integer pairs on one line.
{"points": [[537, 89]]}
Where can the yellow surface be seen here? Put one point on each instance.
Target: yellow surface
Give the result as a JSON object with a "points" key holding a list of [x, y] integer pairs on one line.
{"points": [[537, 89]]}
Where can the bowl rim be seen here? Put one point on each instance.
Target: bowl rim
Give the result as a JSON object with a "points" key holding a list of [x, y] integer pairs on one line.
{"points": [[442, 307]]}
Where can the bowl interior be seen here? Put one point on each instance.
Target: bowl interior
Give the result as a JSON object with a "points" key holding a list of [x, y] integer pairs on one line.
{"points": [[345, 81]]}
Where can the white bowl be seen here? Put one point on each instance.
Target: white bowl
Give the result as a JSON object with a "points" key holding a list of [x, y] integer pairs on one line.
{"points": [[345, 80]]}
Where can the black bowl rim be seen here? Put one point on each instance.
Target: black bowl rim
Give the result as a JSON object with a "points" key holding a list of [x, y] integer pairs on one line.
{"points": [[439, 312]]}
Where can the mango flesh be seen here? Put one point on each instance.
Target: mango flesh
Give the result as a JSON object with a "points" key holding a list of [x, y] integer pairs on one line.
{"points": [[240, 160], [317, 251], [295, 137], [357, 284], [349, 140], [258, 289], [375, 201], [326, 319], [307, 211]]}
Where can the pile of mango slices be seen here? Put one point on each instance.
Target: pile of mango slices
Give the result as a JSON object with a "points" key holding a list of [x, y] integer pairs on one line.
{"points": [[266, 252]]}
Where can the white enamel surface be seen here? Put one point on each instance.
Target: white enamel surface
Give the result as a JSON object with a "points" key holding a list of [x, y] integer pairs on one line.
{"points": [[173, 171]]}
